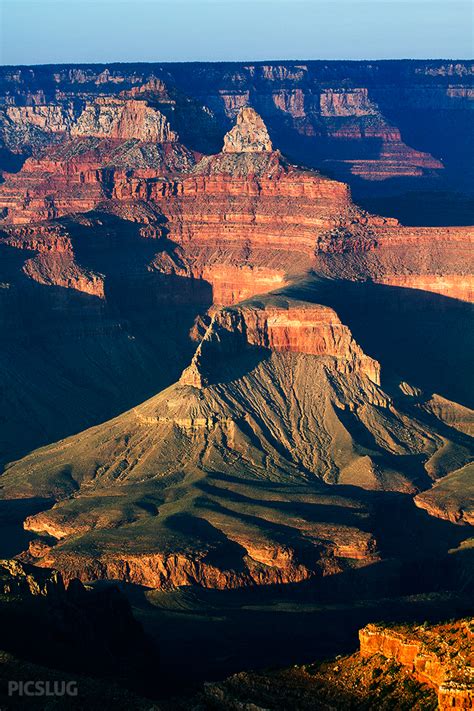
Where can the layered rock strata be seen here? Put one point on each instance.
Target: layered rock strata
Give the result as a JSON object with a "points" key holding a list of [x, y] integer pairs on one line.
{"points": [[249, 134], [390, 121], [382, 677], [428, 654], [247, 200], [289, 328], [119, 119], [170, 492], [110, 137], [432, 259]]}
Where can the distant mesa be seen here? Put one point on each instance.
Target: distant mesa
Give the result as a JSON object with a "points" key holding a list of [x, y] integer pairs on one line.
{"points": [[249, 135]]}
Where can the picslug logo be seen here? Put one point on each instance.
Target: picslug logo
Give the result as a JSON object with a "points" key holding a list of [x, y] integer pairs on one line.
{"points": [[42, 688]]}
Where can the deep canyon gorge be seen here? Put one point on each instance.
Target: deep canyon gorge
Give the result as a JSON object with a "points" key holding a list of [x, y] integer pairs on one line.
{"points": [[236, 354]]}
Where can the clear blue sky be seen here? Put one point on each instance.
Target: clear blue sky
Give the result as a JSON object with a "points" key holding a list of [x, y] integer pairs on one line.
{"points": [[42, 31]]}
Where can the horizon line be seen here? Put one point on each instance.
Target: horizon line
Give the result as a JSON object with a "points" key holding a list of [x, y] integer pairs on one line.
{"points": [[238, 61]]}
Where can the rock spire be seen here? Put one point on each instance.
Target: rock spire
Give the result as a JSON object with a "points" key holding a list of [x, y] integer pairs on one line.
{"points": [[249, 135]]}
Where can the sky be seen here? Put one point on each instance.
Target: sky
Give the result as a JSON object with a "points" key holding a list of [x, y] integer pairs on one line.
{"points": [[63, 31]]}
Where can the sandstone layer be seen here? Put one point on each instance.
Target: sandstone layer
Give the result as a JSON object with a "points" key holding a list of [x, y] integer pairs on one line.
{"points": [[440, 656], [249, 134], [437, 260], [281, 326], [116, 118], [396, 667]]}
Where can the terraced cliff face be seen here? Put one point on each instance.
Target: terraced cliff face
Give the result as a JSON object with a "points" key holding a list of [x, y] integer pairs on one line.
{"points": [[109, 138], [299, 328], [244, 217], [440, 656], [387, 128], [23, 128], [102, 165], [116, 118], [344, 116], [430, 259]]}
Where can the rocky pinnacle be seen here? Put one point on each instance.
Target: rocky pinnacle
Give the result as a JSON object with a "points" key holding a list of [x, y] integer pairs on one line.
{"points": [[249, 135]]}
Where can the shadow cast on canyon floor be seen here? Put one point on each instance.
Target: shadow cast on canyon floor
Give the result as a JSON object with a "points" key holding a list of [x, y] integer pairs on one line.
{"points": [[206, 634], [14, 539], [279, 625], [70, 359], [424, 574], [403, 531]]}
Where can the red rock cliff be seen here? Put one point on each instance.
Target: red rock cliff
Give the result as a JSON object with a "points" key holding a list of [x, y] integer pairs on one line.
{"points": [[428, 654], [291, 327]]}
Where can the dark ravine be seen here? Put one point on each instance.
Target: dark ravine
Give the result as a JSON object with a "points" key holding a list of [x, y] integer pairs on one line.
{"points": [[73, 630]]}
